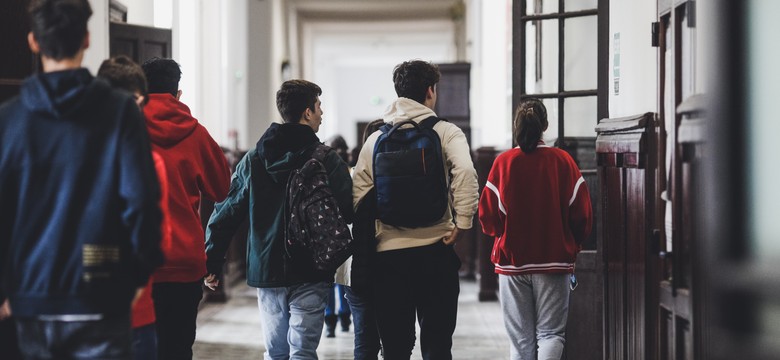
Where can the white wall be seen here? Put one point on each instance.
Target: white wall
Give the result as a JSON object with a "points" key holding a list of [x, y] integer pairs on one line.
{"points": [[353, 64], [490, 33], [140, 12], [638, 64], [263, 68], [98, 36]]}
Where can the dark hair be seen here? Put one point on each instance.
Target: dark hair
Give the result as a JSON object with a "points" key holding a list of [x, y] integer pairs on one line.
{"points": [[123, 73], [370, 128], [529, 124], [163, 75], [338, 144], [59, 26], [413, 78], [295, 97]]}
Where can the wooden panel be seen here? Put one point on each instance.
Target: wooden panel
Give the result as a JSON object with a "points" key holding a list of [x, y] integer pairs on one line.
{"points": [[623, 124], [140, 43], [614, 253], [585, 323], [636, 230], [631, 142], [453, 95]]}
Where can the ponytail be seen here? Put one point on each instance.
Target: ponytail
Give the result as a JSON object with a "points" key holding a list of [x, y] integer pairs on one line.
{"points": [[529, 123]]}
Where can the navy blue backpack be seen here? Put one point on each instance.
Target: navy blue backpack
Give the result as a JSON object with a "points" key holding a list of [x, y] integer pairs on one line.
{"points": [[409, 177]]}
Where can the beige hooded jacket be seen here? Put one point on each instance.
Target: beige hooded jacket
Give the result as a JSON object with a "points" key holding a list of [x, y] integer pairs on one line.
{"points": [[464, 194]]}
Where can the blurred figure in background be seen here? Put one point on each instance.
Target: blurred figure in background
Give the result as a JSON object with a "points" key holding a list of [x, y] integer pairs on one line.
{"points": [[356, 275]]}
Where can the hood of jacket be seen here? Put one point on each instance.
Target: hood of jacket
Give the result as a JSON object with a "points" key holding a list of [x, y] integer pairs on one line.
{"points": [[406, 109], [168, 120], [62, 93], [284, 147]]}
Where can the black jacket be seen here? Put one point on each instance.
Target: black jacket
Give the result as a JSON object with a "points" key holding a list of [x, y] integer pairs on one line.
{"points": [[79, 215]]}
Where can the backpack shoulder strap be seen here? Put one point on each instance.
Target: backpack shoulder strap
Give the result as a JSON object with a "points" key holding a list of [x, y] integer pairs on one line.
{"points": [[320, 151], [430, 122], [386, 128]]}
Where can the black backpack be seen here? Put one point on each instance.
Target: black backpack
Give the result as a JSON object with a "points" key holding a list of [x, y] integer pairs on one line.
{"points": [[313, 222], [409, 177]]}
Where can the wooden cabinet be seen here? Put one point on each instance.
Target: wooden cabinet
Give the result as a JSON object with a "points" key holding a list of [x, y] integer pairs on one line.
{"points": [[140, 43], [627, 162]]}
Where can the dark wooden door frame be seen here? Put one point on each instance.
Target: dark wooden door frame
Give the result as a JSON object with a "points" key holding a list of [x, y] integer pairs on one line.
{"points": [[140, 42]]}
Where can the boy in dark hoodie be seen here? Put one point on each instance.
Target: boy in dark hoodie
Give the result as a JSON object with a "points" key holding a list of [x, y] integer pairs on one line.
{"points": [[196, 169], [291, 292], [79, 219]]}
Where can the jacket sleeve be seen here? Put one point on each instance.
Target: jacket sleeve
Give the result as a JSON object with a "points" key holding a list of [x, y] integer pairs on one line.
{"points": [[214, 181], [341, 184], [463, 185], [492, 213], [140, 190], [228, 216], [580, 209]]}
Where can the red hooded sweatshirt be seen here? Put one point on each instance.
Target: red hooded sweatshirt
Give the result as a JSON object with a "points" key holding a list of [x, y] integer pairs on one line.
{"points": [[195, 166]]}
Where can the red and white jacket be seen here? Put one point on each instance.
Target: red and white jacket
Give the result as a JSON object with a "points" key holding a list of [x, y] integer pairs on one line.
{"points": [[537, 206]]}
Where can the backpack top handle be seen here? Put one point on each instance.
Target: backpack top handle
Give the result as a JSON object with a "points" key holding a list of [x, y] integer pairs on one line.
{"points": [[427, 123]]}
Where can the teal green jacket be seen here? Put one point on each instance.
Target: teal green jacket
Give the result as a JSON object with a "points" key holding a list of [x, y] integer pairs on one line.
{"points": [[257, 192]]}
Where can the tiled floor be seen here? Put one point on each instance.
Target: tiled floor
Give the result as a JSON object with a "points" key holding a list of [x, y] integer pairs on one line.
{"points": [[232, 330]]}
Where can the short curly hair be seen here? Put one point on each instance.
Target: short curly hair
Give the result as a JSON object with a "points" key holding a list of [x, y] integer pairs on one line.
{"points": [[413, 78], [162, 75], [123, 73], [294, 97]]}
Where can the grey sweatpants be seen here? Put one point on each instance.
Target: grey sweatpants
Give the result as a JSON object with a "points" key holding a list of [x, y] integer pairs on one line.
{"points": [[535, 308]]}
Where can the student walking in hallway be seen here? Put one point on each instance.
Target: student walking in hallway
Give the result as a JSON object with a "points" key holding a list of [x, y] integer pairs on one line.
{"points": [[537, 206]]}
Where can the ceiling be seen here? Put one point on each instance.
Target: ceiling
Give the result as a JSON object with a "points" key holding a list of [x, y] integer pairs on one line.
{"points": [[363, 10]]}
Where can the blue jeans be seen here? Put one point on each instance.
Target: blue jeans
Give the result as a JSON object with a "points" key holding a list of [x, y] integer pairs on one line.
{"points": [[145, 342], [366, 335], [535, 308], [100, 339], [331, 305], [292, 319]]}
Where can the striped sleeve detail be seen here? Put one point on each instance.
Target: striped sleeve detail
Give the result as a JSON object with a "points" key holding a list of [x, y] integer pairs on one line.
{"points": [[576, 188], [493, 188], [534, 268]]}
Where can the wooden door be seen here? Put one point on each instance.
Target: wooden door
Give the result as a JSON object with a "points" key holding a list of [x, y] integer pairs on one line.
{"points": [[453, 95], [453, 104], [675, 218], [16, 60], [140, 43], [626, 156]]}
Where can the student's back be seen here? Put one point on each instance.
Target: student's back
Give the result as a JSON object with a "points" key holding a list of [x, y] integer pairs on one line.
{"points": [[195, 165], [72, 190], [196, 169]]}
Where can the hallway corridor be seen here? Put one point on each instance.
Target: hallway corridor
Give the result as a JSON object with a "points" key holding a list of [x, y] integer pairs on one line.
{"points": [[232, 330]]}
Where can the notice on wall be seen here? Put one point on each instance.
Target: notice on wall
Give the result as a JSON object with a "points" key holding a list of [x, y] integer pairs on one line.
{"points": [[616, 64]]}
